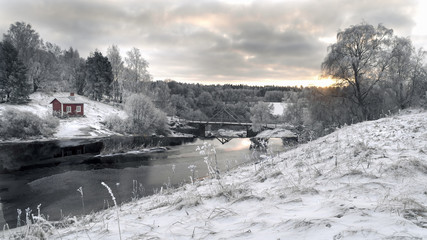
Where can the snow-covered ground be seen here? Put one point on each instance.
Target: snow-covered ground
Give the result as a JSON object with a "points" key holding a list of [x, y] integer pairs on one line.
{"points": [[276, 133], [229, 133], [365, 181], [279, 108], [88, 126]]}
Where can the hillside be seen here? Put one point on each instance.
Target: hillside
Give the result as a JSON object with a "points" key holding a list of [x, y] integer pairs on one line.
{"points": [[365, 181], [88, 126]]}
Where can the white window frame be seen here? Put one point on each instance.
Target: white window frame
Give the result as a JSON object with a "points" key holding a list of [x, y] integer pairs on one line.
{"points": [[68, 109], [78, 109]]}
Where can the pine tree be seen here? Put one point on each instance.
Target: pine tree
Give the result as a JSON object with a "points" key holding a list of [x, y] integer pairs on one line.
{"points": [[98, 76], [14, 86]]}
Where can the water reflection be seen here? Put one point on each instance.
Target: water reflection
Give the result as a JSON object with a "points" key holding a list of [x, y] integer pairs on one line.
{"points": [[56, 187], [240, 144]]}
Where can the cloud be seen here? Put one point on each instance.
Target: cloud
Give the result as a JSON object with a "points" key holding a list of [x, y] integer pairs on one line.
{"points": [[209, 40]]}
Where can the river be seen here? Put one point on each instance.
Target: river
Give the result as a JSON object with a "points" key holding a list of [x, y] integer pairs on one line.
{"points": [[54, 186]]}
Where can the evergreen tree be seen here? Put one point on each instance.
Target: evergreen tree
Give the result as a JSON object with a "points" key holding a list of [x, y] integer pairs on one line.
{"points": [[98, 77], [14, 86]]}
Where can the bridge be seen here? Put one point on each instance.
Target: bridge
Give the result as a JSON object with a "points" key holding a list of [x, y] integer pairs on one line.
{"points": [[218, 123], [225, 117], [206, 122]]}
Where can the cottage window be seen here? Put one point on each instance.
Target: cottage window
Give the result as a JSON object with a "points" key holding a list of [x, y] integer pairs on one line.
{"points": [[68, 109], [78, 108]]}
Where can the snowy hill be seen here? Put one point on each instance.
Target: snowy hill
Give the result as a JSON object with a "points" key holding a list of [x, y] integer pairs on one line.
{"points": [[365, 181], [89, 126]]}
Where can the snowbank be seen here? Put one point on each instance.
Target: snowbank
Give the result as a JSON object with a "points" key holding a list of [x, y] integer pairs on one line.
{"points": [[366, 181], [229, 133], [276, 133]]}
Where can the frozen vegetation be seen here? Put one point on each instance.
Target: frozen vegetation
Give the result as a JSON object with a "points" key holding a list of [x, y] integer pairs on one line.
{"points": [[365, 181], [89, 126]]}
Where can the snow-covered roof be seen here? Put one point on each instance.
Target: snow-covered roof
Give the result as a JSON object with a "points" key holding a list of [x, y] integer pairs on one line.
{"points": [[68, 100]]}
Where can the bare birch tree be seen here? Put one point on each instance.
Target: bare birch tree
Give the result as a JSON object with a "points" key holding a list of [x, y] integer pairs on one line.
{"points": [[359, 59], [117, 65], [138, 65], [405, 72]]}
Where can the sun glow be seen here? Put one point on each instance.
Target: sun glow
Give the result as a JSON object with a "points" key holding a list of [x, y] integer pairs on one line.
{"points": [[315, 82], [324, 82]]}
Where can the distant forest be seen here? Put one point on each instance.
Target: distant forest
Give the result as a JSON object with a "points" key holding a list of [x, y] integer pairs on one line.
{"points": [[377, 74], [30, 64]]}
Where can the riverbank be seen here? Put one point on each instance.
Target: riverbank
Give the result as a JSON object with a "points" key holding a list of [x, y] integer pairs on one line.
{"points": [[365, 181], [36, 154]]}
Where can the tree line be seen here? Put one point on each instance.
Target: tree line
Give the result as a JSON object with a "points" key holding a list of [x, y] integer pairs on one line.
{"points": [[29, 64]]}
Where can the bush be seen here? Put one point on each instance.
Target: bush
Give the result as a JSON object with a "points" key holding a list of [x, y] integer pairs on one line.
{"points": [[49, 124], [144, 117], [260, 115], [17, 124], [116, 124]]}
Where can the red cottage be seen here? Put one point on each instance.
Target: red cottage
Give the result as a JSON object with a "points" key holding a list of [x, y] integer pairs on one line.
{"points": [[67, 106]]}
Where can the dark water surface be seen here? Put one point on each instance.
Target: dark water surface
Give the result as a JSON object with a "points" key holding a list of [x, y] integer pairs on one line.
{"points": [[54, 186]]}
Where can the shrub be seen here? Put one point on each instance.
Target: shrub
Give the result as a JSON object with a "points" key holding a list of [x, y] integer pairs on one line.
{"points": [[17, 124], [144, 117], [116, 124], [260, 115]]}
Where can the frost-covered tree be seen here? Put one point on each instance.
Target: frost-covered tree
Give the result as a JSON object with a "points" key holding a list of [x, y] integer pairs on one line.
{"points": [[26, 41], [359, 59], [71, 70], [273, 96], [45, 70], [137, 65], [261, 115], [405, 72], [144, 117], [117, 66], [205, 100]]}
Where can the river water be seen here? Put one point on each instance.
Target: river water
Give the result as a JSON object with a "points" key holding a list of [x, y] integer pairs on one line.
{"points": [[128, 175]]}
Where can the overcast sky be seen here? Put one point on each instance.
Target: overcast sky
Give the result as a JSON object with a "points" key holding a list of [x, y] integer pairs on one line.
{"points": [[239, 41]]}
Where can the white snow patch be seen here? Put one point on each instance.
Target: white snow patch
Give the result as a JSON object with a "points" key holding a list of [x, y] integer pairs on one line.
{"points": [[279, 108], [276, 133], [229, 133]]}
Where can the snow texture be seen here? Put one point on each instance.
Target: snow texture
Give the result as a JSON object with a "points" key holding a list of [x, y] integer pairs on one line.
{"points": [[75, 127], [365, 181], [279, 108], [276, 133]]}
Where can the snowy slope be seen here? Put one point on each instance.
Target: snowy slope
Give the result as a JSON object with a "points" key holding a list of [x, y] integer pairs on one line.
{"points": [[89, 126], [365, 181]]}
